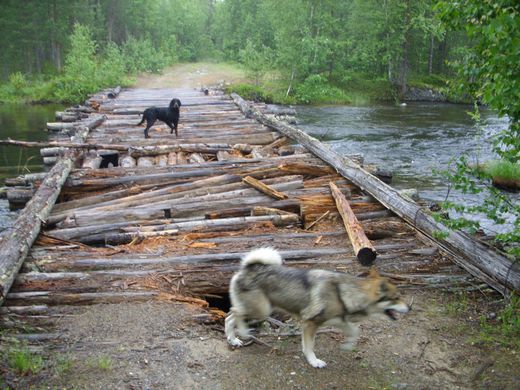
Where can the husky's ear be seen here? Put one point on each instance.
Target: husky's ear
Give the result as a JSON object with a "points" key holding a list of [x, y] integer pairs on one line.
{"points": [[373, 273]]}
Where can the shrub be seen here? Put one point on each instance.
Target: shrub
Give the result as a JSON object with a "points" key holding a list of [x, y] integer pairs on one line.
{"points": [[141, 56], [250, 92], [112, 68], [316, 89]]}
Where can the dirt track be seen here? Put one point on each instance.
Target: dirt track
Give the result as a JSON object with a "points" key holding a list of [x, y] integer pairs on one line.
{"points": [[159, 346]]}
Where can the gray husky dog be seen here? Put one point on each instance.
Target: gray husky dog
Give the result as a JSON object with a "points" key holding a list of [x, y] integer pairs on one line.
{"points": [[315, 297]]}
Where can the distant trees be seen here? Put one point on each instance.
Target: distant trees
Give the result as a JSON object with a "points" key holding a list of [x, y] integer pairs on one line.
{"points": [[391, 40]]}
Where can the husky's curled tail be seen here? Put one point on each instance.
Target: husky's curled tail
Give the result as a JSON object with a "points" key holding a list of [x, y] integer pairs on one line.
{"points": [[267, 256]]}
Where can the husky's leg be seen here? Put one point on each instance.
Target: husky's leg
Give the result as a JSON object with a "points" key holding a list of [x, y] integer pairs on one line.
{"points": [[351, 333], [308, 335], [230, 324]]}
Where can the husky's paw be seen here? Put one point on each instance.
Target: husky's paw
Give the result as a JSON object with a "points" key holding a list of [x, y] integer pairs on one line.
{"points": [[234, 342], [317, 363]]}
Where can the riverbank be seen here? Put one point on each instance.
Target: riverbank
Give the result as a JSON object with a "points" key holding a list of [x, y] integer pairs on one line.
{"points": [[271, 88]]}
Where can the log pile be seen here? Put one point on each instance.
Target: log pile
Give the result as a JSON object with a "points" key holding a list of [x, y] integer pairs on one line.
{"points": [[140, 218]]}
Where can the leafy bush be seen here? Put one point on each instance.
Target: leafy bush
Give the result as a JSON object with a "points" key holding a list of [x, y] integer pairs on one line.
{"points": [[80, 71], [316, 89], [141, 56], [250, 92], [112, 68]]}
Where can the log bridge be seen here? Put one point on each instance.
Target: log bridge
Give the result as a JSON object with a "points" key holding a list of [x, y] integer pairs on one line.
{"points": [[121, 218]]}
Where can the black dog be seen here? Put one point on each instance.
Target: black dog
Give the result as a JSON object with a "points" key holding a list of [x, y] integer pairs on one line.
{"points": [[169, 115]]}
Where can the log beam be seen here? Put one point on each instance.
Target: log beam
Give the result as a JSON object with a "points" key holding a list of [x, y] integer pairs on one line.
{"points": [[365, 252]]}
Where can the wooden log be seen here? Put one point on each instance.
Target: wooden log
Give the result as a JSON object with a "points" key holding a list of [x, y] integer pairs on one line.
{"points": [[172, 158], [115, 262], [261, 210], [264, 188], [365, 252], [53, 148], [161, 160], [14, 245], [145, 162], [196, 158], [182, 207], [112, 94], [91, 162], [58, 126], [57, 298], [127, 162], [103, 232], [18, 197], [487, 264]]}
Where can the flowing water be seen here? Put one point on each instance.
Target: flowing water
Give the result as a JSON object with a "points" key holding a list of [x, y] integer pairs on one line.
{"points": [[410, 141], [27, 123]]}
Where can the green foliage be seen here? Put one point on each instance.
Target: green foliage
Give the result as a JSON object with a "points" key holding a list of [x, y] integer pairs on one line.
{"points": [[79, 76], [257, 61], [316, 89], [487, 73], [24, 361], [250, 92], [505, 328], [141, 56], [112, 68], [502, 169], [488, 70]]}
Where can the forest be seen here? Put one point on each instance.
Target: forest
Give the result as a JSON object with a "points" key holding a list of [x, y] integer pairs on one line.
{"points": [[313, 49]]}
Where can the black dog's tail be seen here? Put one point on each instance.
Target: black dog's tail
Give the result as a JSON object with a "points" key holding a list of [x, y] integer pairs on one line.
{"points": [[142, 120]]}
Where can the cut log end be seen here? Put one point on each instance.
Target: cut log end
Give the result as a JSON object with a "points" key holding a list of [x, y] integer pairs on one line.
{"points": [[366, 256]]}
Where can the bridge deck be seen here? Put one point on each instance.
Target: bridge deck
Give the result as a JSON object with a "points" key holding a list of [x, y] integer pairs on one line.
{"points": [[173, 225]]}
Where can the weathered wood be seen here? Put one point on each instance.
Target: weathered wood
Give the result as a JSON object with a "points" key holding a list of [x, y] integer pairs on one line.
{"points": [[264, 188], [363, 248], [91, 162], [98, 233], [112, 94], [15, 243], [486, 263], [53, 148], [181, 207]]}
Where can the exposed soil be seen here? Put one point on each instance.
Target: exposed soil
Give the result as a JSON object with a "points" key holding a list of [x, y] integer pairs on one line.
{"points": [[160, 345], [192, 75]]}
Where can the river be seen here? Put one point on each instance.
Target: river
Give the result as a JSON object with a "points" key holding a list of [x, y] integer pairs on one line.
{"points": [[21, 122], [411, 141]]}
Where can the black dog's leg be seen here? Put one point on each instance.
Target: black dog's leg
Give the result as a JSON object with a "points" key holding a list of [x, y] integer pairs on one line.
{"points": [[149, 123], [175, 124], [172, 127]]}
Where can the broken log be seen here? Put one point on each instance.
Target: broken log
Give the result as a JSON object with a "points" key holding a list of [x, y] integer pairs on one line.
{"points": [[264, 188], [363, 248], [487, 264]]}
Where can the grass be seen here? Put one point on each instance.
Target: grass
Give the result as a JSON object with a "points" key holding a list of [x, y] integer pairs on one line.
{"points": [[24, 361], [505, 328], [502, 169], [103, 363]]}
